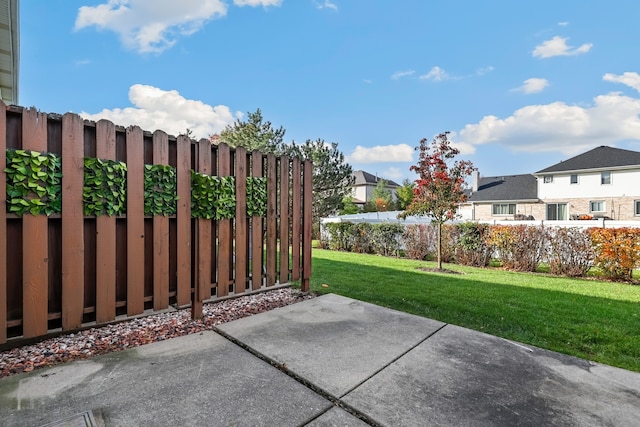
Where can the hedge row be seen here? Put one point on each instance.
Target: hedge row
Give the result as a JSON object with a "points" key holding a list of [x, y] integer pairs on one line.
{"points": [[568, 251]]}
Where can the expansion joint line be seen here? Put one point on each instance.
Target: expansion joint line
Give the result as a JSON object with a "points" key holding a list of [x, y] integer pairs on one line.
{"points": [[337, 401]]}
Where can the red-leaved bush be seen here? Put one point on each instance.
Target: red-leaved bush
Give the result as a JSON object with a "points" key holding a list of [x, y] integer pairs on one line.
{"points": [[617, 251]]}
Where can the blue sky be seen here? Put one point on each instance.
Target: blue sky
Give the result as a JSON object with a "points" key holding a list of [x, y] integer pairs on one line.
{"points": [[521, 85]]}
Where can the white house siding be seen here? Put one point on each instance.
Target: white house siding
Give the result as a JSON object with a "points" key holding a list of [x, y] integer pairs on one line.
{"points": [[619, 197], [624, 183]]}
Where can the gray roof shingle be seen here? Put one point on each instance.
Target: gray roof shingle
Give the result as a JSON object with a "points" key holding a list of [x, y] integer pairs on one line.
{"points": [[598, 158], [362, 178], [498, 188]]}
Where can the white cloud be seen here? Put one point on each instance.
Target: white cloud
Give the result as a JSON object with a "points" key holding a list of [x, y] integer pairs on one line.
{"points": [[327, 5], [560, 127], [436, 74], [563, 23], [382, 154], [154, 108], [150, 25], [532, 85], [631, 79], [255, 3], [400, 74], [557, 46], [484, 70]]}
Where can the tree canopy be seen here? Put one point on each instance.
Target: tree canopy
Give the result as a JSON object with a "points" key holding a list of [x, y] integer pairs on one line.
{"points": [[332, 176], [441, 186], [253, 134], [404, 193]]}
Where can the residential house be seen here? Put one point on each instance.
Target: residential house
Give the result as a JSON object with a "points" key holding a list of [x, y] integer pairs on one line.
{"points": [[600, 183], [503, 197], [365, 183]]}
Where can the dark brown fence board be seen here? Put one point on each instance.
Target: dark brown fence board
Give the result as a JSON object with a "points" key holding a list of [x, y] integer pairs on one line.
{"points": [[183, 215], [204, 231], [257, 233], [284, 219], [135, 221], [106, 234], [72, 221], [296, 209], [241, 252], [3, 224], [272, 198], [34, 240], [160, 232], [307, 224], [224, 229]]}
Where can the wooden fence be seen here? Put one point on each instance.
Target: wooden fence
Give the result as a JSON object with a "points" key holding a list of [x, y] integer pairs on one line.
{"points": [[66, 271]]}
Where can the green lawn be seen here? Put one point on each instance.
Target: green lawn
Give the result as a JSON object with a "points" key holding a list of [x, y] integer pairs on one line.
{"points": [[591, 319]]}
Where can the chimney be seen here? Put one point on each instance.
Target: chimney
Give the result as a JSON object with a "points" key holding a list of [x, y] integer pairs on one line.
{"points": [[475, 180]]}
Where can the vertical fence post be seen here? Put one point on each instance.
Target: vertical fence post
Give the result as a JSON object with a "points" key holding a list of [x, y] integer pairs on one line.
{"points": [[241, 221], [203, 239], [224, 226], [307, 225], [257, 243], [284, 219], [106, 234], [183, 218], [3, 223], [72, 221], [272, 197], [35, 240], [135, 221], [296, 210], [160, 232]]}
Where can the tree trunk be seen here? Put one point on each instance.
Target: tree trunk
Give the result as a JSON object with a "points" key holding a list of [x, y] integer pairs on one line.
{"points": [[439, 246]]}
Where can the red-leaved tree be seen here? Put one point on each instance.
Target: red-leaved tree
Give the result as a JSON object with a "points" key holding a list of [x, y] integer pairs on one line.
{"points": [[441, 186]]}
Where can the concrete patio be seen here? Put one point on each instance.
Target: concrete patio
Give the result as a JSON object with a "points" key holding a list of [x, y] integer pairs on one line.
{"points": [[328, 361]]}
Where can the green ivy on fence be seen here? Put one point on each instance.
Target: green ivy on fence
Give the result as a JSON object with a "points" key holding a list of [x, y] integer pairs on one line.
{"points": [[105, 187], [212, 197], [33, 182], [34, 186], [160, 190], [256, 196]]}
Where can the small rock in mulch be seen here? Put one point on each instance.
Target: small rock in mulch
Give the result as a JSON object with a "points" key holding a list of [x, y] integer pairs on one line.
{"points": [[143, 330]]}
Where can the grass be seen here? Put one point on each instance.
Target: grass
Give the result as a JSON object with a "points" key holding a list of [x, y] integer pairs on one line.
{"points": [[591, 319]]}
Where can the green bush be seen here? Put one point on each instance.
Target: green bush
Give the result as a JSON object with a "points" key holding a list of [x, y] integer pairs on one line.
{"points": [[386, 238], [472, 246], [570, 252], [419, 240]]}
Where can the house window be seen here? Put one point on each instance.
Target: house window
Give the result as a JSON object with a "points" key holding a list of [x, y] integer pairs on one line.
{"points": [[597, 206], [574, 178], [557, 211], [503, 209], [548, 179], [636, 209], [605, 178]]}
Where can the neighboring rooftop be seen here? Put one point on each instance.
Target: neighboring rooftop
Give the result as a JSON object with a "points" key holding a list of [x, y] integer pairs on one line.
{"points": [[499, 188], [598, 158], [9, 50], [363, 178]]}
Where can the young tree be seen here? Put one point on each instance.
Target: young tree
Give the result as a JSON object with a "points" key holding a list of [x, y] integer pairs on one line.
{"points": [[382, 196], [348, 206], [332, 178], [253, 134], [404, 193], [440, 188]]}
